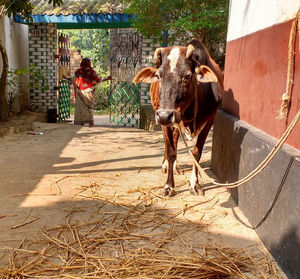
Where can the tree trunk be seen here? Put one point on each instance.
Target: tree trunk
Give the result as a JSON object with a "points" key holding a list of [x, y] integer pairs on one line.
{"points": [[3, 82]]}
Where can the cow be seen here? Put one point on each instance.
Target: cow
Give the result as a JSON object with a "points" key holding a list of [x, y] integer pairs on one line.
{"points": [[186, 89]]}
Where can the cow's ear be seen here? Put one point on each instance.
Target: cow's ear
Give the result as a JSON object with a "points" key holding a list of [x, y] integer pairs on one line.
{"points": [[147, 75], [205, 74]]}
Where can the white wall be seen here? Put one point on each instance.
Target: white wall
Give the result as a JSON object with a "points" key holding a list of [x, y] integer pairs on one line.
{"points": [[14, 37], [249, 16], [16, 44]]}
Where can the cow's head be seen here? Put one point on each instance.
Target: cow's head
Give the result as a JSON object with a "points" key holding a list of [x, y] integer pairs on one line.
{"points": [[178, 71]]}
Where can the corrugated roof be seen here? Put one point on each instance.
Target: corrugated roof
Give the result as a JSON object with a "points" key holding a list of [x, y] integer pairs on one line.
{"points": [[78, 7], [80, 21]]}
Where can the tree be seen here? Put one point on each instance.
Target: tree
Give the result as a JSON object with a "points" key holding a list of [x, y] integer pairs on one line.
{"points": [[21, 7], [3, 81], [181, 19], [9, 8], [94, 43]]}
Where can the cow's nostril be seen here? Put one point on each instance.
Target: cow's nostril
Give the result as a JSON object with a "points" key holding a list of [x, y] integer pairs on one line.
{"points": [[165, 117]]}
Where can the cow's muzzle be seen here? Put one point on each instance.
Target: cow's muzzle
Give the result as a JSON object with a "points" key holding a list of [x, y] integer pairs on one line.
{"points": [[166, 117]]}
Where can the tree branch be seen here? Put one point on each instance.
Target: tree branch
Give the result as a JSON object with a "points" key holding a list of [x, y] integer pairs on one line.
{"points": [[2, 10], [3, 81]]}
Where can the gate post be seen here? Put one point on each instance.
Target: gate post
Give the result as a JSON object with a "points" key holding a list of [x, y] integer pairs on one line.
{"points": [[125, 62], [42, 50], [64, 101], [147, 112]]}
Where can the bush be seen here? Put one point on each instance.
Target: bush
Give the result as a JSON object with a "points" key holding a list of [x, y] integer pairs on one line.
{"points": [[101, 104]]}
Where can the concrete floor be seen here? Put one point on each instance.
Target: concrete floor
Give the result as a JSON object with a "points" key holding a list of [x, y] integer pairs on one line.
{"points": [[41, 174]]}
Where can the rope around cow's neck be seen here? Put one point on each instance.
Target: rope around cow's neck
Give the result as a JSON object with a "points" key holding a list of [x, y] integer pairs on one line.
{"points": [[283, 111]]}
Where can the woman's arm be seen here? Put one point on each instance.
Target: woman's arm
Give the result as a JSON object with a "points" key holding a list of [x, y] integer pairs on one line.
{"points": [[105, 79], [67, 78]]}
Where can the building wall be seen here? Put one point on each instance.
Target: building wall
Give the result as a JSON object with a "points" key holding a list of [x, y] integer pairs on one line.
{"points": [[149, 46], [246, 129], [125, 53], [75, 60], [256, 64], [238, 148], [42, 51], [147, 111], [14, 37]]}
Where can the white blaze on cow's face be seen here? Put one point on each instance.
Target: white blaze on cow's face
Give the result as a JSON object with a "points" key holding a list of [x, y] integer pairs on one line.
{"points": [[173, 57], [175, 76]]}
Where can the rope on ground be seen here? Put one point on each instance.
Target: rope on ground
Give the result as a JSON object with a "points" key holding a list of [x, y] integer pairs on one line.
{"points": [[283, 111]]}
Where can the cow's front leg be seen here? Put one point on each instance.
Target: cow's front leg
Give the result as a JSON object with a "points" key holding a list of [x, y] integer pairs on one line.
{"points": [[165, 164], [196, 188], [176, 135], [176, 167], [171, 157]]}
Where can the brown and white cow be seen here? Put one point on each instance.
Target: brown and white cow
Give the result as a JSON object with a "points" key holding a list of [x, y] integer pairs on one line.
{"points": [[186, 89]]}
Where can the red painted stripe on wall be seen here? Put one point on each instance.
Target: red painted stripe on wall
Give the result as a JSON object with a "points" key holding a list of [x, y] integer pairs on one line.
{"points": [[255, 79]]}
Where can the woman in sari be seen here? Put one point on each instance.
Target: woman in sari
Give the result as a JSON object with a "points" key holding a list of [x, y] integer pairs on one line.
{"points": [[85, 79]]}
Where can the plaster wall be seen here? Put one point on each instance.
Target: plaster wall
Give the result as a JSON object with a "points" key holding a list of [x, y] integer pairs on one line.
{"points": [[249, 16], [14, 37], [257, 62], [271, 200], [246, 129]]}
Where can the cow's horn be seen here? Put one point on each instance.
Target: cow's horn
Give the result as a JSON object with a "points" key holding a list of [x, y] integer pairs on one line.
{"points": [[189, 51], [157, 56]]}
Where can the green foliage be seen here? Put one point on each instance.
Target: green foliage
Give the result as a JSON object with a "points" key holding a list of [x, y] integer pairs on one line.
{"points": [[101, 102], [80, 39], [72, 109], [23, 7], [94, 44], [14, 77], [38, 78], [204, 19], [100, 53]]}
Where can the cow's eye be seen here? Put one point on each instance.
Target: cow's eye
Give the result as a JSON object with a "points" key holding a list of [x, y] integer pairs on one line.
{"points": [[188, 76], [157, 75]]}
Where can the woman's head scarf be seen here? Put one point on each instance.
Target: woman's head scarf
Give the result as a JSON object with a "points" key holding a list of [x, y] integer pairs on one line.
{"points": [[86, 77]]}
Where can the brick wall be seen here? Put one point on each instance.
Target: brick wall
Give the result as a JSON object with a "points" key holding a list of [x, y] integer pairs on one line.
{"points": [[42, 48], [148, 49]]}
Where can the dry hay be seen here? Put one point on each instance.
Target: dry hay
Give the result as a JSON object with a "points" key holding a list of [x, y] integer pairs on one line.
{"points": [[130, 241]]}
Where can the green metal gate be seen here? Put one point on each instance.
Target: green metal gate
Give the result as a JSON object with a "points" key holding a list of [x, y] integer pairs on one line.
{"points": [[125, 104], [63, 100], [63, 103], [125, 62]]}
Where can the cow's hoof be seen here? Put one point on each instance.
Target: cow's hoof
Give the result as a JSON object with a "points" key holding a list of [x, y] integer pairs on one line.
{"points": [[197, 191], [179, 170], [164, 170], [170, 192]]}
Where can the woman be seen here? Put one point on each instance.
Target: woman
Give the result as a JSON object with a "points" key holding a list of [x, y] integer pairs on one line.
{"points": [[85, 79]]}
